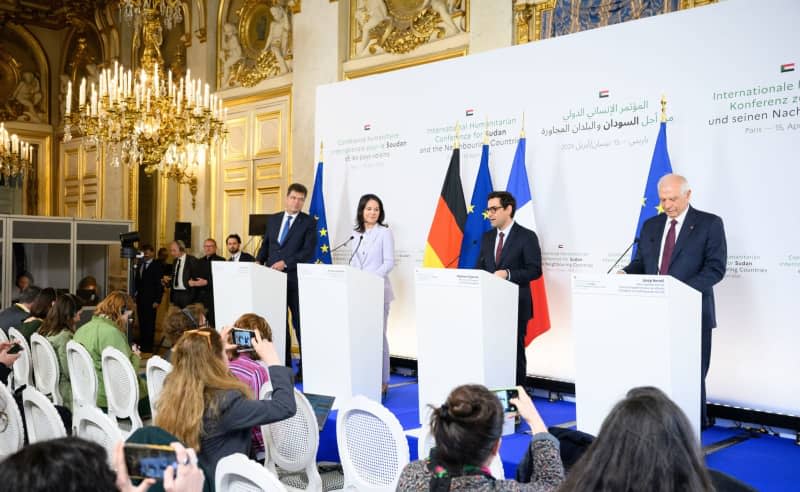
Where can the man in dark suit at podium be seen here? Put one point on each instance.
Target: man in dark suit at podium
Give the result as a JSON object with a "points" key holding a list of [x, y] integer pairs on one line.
{"points": [[512, 252], [689, 245], [148, 296], [234, 244], [290, 239]]}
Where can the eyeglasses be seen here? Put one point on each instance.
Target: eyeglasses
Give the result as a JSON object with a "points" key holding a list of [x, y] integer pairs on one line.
{"points": [[203, 333], [493, 210]]}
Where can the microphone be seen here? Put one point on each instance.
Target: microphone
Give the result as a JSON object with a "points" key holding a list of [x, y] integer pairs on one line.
{"points": [[337, 248], [360, 238], [622, 255]]}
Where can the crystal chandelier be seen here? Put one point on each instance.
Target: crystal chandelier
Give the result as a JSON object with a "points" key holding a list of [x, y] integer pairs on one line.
{"points": [[169, 10], [15, 154], [146, 119]]}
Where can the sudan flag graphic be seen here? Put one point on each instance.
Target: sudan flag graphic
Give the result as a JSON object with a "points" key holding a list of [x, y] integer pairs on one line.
{"points": [[787, 67], [443, 247], [603, 93]]}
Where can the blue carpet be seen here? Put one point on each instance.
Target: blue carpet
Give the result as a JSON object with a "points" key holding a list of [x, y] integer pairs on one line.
{"points": [[766, 463]]}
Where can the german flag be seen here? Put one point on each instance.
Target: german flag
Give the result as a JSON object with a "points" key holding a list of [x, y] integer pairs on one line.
{"points": [[443, 247]]}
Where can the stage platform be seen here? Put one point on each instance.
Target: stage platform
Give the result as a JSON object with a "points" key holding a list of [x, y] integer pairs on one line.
{"points": [[763, 461]]}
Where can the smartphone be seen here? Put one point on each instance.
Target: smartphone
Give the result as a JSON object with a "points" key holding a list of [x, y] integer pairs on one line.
{"points": [[243, 339], [149, 460], [505, 395], [15, 349]]}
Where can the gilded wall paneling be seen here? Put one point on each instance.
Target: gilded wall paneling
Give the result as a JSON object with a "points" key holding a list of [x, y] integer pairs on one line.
{"points": [[268, 200], [268, 134], [237, 174], [268, 170], [235, 211], [236, 145], [24, 77]]}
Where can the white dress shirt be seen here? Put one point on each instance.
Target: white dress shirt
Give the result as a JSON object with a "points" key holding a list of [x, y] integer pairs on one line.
{"points": [[283, 223], [236, 256], [505, 232], [177, 282], [681, 219]]}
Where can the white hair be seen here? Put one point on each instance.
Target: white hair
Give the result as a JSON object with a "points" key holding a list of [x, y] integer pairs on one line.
{"points": [[683, 181]]}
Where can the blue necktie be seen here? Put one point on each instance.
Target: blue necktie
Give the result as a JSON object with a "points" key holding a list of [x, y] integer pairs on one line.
{"points": [[285, 230]]}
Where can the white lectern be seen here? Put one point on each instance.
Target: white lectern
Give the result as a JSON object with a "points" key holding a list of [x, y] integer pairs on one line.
{"points": [[634, 330], [341, 315], [244, 287], [466, 332]]}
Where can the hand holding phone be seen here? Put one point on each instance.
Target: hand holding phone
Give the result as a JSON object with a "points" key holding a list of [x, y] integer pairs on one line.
{"points": [[15, 349], [505, 396], [149, 460], [243, 339]]}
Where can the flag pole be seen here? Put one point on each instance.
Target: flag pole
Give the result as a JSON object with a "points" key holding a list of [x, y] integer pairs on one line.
{"points": [[486, 131], [522, 132], [663, 108], [456, 144]]}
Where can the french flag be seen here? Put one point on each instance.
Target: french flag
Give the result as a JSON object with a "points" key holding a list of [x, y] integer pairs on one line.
{"points": [[519, 186]]}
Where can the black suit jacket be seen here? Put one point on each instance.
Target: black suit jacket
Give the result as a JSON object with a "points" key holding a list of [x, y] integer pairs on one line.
{"points": [[521, 255], [148, 283], [698, 260], [13, 316], [297, 247], [202, 269], [190, 270], [245, 257]]}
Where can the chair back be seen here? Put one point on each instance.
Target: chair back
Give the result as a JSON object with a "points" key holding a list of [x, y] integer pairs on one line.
{"points": [[82, 376], [23, 371], [372, 445], [237, 473], [156, 371], [292, 443], [12, 435], [3, 336], [122, 387], [92, 424], [41, 417], [426, 442], [46, 373]]}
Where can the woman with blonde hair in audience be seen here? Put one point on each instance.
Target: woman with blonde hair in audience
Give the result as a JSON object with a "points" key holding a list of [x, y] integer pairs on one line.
{"points": [[207, 408], [108, 328], [59, 328]]}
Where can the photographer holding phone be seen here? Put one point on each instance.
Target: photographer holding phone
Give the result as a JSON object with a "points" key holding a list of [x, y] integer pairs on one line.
{"points": [[207, 408], [467, 429]]}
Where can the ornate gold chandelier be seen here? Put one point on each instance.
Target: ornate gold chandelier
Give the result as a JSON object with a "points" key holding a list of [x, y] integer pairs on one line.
{"points": [[169, 10], [15, 154], [145, 118]]}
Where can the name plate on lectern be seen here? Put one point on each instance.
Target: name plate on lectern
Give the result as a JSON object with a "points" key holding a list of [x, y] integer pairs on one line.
{"points": [[622, 285], [332, 272], [444, 278]]}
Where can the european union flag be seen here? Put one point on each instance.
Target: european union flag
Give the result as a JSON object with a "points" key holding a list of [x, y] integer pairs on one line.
{"points": [[477, 220], [659, 166], [317, 210]]}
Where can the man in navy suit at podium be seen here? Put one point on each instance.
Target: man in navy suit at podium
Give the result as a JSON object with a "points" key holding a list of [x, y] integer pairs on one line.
{"points": [[291, 238], [512, 252], [689, 245]]}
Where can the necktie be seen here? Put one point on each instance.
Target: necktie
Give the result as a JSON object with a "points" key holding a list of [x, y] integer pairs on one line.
{"points": [[669, 245], [285, 229], [499, 250], [177, 273]]}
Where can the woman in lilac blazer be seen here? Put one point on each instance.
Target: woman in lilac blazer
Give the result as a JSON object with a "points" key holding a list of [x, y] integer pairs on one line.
{"points": [[374, 252]]}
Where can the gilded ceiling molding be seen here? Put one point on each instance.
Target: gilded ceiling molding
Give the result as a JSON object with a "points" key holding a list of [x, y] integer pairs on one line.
{"points": [[402, 26], [202, 22], [542, 19], [254, 41]]}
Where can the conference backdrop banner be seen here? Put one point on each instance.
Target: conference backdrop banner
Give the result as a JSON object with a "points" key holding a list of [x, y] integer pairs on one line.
{"points": [[589, 104]]}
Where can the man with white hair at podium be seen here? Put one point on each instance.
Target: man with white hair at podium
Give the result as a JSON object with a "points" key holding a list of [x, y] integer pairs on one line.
{"points": [[690, 246], [512, 252]]}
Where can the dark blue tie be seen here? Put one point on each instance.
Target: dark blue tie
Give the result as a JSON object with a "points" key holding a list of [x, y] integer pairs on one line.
{"points": [[285, 230]]}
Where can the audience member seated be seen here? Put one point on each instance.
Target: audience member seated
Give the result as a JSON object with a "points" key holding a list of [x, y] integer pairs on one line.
{"points": [[72, 464], [24, 280], [179, 321], [59, 328], [87, 291], [207, 408], [39, 309], [645, 443], [467, 430], [108, 328], [6, 361], [245, 367], [16, 314]]}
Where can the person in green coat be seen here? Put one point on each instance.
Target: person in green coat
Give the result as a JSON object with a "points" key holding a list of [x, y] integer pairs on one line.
{"points": [[108, 328], [59, 327]]}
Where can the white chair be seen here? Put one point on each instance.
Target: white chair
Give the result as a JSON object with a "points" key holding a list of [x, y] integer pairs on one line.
{"points": [[426, 442], [82, 376], [292, 450], [372, 445], [3, 336], [92, 424], [41, 417], [237, 473], [122, 388], [46, 372], [12, 435], [156, 371], [23, 375]]}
